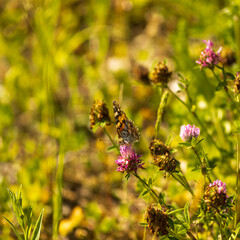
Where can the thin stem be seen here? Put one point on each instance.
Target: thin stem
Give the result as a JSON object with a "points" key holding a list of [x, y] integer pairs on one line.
{"points": [[152, 192], [225, 87], [196, 117], [237, 183], [220, 227], [110, 138], [209, 229], [179, 99], [183, 182], [203, 164]]}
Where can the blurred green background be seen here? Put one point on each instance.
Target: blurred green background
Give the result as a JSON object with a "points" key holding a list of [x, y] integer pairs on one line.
{"points": [[56, 58]]}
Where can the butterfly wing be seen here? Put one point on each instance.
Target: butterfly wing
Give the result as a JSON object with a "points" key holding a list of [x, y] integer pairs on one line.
{"points": [[128, 133]]}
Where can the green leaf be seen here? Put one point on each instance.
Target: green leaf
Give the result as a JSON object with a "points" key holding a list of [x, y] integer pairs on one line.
{"points": [[187, 144], [16, 200], [172, 238], [186, 214], [173, 150], [199, 141], [143, 224], [127, 176], [176, 211], [15, 230], [171, 224], [37, 228], [181, 86], [150, 181], [235, 234], [143, 193], [28, 214], [96, 127], [111, 148], [230, 75]]}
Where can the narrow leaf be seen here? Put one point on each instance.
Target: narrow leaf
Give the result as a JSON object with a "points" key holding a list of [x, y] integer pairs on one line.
{"points": [[186, 213], [175, 211], [143, 193], [143, 224], [150, 181], [111, 148], [37, 228], [15, 230]]}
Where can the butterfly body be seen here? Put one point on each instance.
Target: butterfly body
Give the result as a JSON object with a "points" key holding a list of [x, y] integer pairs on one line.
{"points": [[127, 132]]}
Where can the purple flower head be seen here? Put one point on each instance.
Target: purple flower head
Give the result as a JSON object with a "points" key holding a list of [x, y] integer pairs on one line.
{"points": [[209, 58], [129, 161], [188, 132], [221, 186]]}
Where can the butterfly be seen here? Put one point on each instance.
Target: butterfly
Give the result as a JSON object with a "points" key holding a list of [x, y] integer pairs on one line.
{"points": [[127, 132]]}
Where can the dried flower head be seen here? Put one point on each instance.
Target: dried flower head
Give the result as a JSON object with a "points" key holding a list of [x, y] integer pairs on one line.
{"points": [[129, 161], [99, 114], [157, 221], [141, 73], [160, 74], [188, 132], [209, 58], [165, 163], [158, 148], [215, 195]]}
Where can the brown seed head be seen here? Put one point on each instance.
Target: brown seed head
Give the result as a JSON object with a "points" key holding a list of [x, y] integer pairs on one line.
{"points": [[99, 114], [157, 221], [158, 148], [160, 74], [165, 163]]}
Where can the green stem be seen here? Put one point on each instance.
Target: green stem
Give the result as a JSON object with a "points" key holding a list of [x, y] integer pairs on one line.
{"points": [[183, 182], [237, 183], [209, 229], [110, 138], [196, 117], [225, 87], [220, 227], [151, 191], [202, 164]]}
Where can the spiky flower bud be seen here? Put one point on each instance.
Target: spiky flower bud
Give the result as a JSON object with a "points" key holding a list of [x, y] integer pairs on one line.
{"points": [[99, 114], [160, 74], [157, 221], [158, 148], [141, 73], [215, 195]]}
